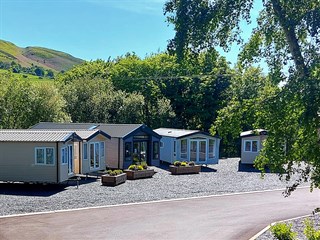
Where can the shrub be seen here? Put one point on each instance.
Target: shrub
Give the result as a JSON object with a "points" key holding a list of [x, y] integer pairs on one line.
{"points": [[184, 164], [132, 167], [191, 163], [114, 172], [144, 165], [282, 231], [177, 163], [139, 168], [309, 230]]}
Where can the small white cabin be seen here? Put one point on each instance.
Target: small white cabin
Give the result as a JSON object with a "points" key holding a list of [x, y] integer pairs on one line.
{"points": [[188, 145], [251, 144]]}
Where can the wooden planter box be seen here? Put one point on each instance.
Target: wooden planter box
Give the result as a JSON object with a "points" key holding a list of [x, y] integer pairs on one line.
{"points": [[137, 174], [184, 170], [108, 180]]}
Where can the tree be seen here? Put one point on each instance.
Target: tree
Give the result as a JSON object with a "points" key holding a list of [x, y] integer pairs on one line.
{"points": [[23, 104], [288, 38], [239, 113]]}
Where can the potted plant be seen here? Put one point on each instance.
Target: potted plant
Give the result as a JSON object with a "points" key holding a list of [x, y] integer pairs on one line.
{"points": [[137, 171], [113, 178], [183, 167]]}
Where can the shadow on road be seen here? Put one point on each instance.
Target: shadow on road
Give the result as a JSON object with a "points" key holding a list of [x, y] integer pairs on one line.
{"points": [[249, 168], [39, 190]]}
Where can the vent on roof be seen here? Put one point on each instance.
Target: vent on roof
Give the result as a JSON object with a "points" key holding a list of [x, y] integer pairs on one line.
{"points": [[92, 127], [170, 132]]}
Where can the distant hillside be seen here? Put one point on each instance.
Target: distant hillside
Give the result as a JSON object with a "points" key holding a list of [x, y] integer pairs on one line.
{"points": [[42, 57]]}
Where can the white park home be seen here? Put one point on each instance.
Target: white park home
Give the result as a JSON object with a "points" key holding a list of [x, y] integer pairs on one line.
{"points": [[188, 145], [251, 144]]}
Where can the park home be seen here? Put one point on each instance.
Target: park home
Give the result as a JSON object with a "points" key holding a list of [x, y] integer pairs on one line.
{"points": [[188, 145], [128, 141], [251, 144]]}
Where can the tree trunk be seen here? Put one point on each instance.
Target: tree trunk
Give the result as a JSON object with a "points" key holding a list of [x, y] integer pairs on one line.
{"points": [[291, 38]]}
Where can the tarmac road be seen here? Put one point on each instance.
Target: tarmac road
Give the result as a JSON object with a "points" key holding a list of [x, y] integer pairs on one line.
{"points": [[234, 216]]}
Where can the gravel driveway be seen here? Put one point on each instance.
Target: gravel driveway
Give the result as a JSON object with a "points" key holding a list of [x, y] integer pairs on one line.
{"points": [[226, 177]]}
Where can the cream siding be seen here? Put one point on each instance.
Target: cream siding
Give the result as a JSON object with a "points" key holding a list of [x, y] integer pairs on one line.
{"points": [[17, 163], [112, 153], [249, 157]]}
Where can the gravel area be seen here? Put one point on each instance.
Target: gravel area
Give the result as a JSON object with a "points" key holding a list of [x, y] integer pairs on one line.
{"points": [[226, 177], [297, 226]]}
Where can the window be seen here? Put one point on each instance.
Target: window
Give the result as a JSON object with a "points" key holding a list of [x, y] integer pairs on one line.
{"points": [[102, 149], [85, 151], [156, 150], [161, 144], [44, 156], [183, 152], [64, 155], [174, 147], [96, 151], [251, 146], [211, 148], [127, 149]]}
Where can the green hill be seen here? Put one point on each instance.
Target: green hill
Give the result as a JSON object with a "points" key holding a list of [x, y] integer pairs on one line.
{"points": [[42, 57]]}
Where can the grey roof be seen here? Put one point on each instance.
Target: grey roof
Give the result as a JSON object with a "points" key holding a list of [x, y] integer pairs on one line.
{"points": [[177, 133], [253, 133], [71, 126], [119, 130], [114, 130], [30, 135]]}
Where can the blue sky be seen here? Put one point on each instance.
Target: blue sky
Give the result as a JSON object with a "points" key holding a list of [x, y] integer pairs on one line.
{"points": [[89, 29]]}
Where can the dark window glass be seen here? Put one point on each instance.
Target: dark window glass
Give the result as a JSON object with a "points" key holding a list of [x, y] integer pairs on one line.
{"points": [[155, 150], [128, 149]]}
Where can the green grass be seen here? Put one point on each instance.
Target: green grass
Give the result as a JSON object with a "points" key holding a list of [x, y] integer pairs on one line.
{"points": [[32, 78]]}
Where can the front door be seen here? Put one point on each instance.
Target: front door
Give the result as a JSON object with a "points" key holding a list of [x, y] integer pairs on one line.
{"points": [[94, 155], [140, 151], [198, 151]]}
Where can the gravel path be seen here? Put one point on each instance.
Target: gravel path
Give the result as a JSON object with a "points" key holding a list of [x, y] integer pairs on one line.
{"points": [[226, 177]]}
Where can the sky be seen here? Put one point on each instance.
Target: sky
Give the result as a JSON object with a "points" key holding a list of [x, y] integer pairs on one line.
{"points": [[90, 29]]}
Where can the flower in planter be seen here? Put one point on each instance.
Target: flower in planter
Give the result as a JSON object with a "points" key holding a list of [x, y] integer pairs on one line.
{"points": [[132, 167], [144, 165], [191, 163], [114, 172], [177, 163], [184, 164]]}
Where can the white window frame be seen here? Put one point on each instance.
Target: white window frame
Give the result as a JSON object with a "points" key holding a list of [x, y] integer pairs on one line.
{"points": [[212, 152], [64, 156], [102, 149], [186, 152], [251, 144], [44, 149], [101, 153], [85, 151]]}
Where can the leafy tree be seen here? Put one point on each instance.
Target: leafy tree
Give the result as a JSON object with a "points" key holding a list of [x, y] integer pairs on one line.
{"points": [[98, 69], [23, 104], [240, 113], [287, 37]]}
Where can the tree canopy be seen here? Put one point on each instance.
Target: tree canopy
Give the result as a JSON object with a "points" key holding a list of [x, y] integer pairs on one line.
{"points": [[287, 37]]}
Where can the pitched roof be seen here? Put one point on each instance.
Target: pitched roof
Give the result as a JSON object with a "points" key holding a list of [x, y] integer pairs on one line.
{"points": [[119, 130], [71, 126], [255, 132], [30, 135], [178, 133], [114, 130]]}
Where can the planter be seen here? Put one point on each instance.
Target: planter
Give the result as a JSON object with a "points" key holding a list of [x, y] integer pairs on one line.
{"points": [[108, 180], [184, 169], [137, 174]]}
